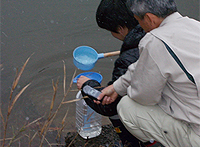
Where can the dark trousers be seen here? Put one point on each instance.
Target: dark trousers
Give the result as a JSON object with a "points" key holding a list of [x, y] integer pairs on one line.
{"points": [[128, 140]]}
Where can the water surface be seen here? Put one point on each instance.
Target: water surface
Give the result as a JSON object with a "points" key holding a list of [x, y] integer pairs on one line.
{"points": [[49, 31]]}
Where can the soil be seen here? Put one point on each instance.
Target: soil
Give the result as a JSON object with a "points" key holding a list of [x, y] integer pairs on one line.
{"points": [[107, 138]]}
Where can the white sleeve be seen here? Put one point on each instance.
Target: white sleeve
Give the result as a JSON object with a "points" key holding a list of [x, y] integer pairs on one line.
{"points": [[144, 82], [124, 81]]}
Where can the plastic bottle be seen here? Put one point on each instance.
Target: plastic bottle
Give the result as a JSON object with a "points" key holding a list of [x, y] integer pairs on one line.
{"points": [[88, 122]]}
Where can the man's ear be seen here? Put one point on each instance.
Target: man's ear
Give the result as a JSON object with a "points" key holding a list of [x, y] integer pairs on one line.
{"points": [[149, 17], [123, 31], [120, 30], [153, 20]]}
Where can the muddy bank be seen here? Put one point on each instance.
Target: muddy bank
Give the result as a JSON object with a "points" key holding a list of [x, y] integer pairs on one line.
{"points": [[108, 138]]}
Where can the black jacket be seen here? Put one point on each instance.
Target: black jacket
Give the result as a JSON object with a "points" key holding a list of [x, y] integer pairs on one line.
{"points": [[129, 54]]}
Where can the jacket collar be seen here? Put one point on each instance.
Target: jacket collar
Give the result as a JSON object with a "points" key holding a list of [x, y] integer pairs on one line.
{"points": [[133, 38], [171, 18]]}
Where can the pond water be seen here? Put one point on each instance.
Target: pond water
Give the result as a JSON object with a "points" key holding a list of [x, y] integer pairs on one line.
{"points": [[48, 32]]}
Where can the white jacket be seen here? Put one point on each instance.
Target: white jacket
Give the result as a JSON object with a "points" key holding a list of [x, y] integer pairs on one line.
{"points": [[157, 79]]}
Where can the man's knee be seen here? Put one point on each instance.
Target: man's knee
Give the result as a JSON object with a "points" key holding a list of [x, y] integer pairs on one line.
{"points": [[126, 109], [122, 105]]}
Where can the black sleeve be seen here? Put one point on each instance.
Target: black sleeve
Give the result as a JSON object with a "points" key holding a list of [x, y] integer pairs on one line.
{"points": [[121, 64], [106, 110], [92, 83]]}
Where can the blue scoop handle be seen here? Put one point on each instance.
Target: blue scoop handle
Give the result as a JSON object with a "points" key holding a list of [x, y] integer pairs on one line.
{"points": [[101, 55]]}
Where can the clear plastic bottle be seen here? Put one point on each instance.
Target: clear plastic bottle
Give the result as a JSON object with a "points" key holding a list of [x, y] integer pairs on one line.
{"points": [[88, 122]]}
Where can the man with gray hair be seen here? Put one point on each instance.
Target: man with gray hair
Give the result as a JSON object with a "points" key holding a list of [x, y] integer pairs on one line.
{"points": [[161, 92]]}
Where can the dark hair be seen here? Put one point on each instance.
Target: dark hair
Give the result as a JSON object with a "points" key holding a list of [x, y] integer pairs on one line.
{"points": [[160, 8], [114, 13]]}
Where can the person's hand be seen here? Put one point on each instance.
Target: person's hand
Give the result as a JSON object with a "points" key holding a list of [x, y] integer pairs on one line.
{"points": [[81, 80], [108, 95]]}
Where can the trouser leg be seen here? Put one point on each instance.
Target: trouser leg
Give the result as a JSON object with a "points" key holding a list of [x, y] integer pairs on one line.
{"points": [[125, 136], [152, 123]]}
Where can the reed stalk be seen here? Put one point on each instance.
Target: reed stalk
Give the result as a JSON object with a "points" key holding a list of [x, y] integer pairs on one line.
{"points": [[55, 87], [12, 103], [72, 140], [52, 117], [31, 139], [13, 139], [63, 125]]}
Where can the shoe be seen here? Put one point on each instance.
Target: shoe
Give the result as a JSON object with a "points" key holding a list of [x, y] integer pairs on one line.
{"points": [[154, 144]]}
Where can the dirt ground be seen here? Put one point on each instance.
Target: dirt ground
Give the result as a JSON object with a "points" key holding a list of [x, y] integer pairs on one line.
{"points": [[107, 138]]}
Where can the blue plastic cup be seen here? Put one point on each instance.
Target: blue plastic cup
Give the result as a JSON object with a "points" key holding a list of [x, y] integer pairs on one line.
{"points": [[85, 57], [92, 75]]}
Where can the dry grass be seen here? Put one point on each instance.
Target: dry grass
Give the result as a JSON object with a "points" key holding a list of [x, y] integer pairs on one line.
{"points": [[13, 101], [41, 133]]}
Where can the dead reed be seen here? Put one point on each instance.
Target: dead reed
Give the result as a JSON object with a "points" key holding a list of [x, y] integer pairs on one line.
{"points": [[13, 101], [42, 131], [51, 116]]}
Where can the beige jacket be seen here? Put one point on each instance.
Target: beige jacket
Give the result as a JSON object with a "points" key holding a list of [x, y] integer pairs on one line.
{"points": [[157, 79]]}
